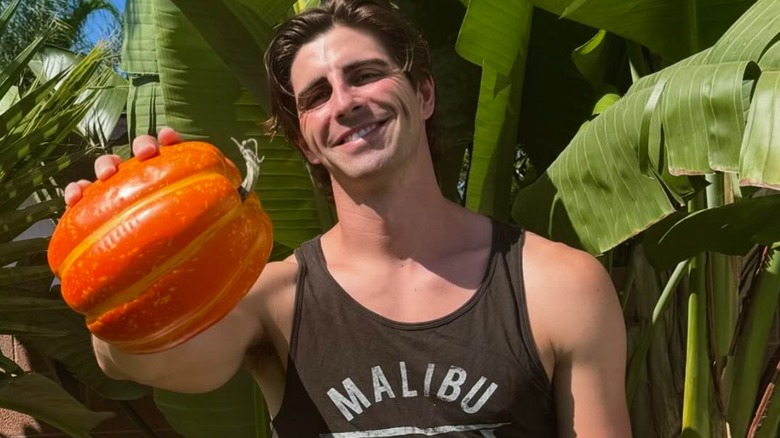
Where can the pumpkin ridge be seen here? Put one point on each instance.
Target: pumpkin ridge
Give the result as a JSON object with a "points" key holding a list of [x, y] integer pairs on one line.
{"points": [[95, 236], [137, 289], [185, 322]]}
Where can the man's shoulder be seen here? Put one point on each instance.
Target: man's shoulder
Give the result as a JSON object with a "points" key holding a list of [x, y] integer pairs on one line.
{"points": [[570, 291], [558, 264], [274, 289], [275, 275]]}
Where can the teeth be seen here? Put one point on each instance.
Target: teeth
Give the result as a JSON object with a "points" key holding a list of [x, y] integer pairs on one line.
{"points": [[362, 133]]}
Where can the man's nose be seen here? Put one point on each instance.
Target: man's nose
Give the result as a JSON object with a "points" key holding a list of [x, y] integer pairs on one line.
{"points": [[345, 101]]}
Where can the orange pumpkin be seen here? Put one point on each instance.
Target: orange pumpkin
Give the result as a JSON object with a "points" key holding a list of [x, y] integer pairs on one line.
{"points": [[163, 249]]}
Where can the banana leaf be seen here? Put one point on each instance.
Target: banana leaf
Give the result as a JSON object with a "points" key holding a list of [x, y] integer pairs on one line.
{"points": [[45, 400], [237, 410], [732, 229], [567, 69], [494, 35], [671, 28], [599, 192]]}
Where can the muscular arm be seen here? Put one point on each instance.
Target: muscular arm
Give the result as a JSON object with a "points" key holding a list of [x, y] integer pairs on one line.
{"points": [[589, 381], [201, 364], [262, 318], [576, 313]]}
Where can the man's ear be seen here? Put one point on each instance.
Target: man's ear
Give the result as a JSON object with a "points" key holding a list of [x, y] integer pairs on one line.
{"points": [[426, 91]]}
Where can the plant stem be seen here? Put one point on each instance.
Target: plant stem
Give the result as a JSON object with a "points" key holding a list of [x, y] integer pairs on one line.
{"points": [[137, 420], [639, 358], [767, 417], [693, 26], [750, 354], [698, 377], [722, 288]]}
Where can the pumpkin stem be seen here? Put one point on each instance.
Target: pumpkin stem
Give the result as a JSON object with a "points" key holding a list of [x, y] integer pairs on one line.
{"points": [[252, 166]]}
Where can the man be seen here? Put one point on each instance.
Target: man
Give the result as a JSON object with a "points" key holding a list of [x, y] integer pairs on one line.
{"points": [[412, 316]]}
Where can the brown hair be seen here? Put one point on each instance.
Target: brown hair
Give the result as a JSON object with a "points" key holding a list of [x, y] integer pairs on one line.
{"points": [[381, 18]]}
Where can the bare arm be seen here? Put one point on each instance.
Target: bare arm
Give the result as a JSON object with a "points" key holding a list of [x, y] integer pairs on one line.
{"points": [[579, 330], [201, 364], [590, 349]]}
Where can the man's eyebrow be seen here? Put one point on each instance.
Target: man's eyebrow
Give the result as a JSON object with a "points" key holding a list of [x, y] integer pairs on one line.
{"points": [[373, 62]]}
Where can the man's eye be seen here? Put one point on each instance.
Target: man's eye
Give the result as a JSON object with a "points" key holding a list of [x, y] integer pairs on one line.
{"points": [[313, 100], [366, 76]]}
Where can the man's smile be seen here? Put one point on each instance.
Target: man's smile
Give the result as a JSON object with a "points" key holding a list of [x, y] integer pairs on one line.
{"points": [[358, 133]]}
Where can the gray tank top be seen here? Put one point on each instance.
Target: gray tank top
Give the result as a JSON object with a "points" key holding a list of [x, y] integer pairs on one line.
{"points": [[473, 373]]}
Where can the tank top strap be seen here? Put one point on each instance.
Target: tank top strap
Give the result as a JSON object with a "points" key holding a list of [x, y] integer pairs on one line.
{"points": [[512, 238], [308, 257]]}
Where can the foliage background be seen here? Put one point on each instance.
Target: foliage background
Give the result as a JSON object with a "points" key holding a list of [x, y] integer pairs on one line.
{"points": [[639, 130]]}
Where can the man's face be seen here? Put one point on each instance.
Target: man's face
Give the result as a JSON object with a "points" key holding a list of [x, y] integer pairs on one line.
{"points": [[358, 113]]}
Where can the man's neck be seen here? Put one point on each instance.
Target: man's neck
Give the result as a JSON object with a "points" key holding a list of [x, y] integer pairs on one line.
{"points": [[408, 218], [396, 223]]}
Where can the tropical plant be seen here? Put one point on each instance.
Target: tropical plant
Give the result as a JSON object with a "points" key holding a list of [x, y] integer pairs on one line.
{"points": [[64, 22], [37, 126], [643, 164], [645, 131]]}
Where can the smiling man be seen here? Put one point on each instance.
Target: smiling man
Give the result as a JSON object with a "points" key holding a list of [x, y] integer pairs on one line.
{"points": [[412, 316]]}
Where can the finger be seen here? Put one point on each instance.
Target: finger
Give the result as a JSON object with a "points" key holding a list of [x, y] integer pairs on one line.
{"points": [[145, 146], [168, 136], [106, 166], [74, 191]]}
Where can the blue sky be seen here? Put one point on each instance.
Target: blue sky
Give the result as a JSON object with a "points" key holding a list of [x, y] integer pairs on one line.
{"points": [[99, 24]]}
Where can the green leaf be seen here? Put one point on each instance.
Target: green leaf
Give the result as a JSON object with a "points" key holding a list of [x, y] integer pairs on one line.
{"points": [[771, 58], [21, 304], [668, 27], [14, 222], [11, 117], [13, 251], [591, 58], [709, 96], [9, 367], [15, 328], [495, 36], [10, 98], [732, 229], [594, 197], [749, 359], [40, 397], [302, 5], [139, 54], [767, 418], [558, 94], [759, 163], [7, 14], [42, 140], [235, 410], [22, 274], [24, 185], [74, 349], [11, 74], [241, 48], [146, 106]]}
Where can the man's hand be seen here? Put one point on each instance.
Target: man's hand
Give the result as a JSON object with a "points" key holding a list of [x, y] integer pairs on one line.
{"points": [[144, 147]]}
